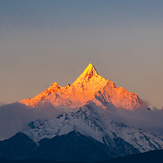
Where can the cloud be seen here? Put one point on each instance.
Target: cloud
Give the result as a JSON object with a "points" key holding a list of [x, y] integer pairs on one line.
{"points": [[2, 104], [15, 116], [145, 118]]}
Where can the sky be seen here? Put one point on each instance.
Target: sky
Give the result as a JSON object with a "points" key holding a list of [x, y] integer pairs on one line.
{"points": [[42, 42]]}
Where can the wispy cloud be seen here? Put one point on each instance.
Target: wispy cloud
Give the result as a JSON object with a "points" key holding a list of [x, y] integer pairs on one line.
{"points": [[15, 116], [145, 118]]}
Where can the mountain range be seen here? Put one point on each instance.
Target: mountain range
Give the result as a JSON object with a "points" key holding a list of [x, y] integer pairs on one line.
{"points": [[95, 124], [88, 86]]}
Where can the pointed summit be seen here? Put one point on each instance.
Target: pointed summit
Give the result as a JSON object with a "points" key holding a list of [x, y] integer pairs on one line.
{"points": [[87, 74], [91, 70]]}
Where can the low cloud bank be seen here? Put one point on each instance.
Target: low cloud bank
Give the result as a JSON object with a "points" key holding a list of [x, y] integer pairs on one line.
{"points": [[15, 116], [144, 118]]}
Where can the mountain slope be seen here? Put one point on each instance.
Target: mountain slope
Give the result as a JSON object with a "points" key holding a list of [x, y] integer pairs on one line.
{"points": [[119, 97], [17, 147], [149, 157], [72, 147], [89, 120]]}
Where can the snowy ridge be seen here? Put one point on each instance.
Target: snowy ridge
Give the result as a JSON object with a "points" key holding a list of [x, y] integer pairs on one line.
{"points": [[86, 122], [139, 138], [88, 86], [119, 97], [89, 121]]}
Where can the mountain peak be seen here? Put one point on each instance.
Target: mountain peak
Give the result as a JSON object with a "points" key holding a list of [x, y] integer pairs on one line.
{"points": [[91, 70], [88, 73], [88, 86]]}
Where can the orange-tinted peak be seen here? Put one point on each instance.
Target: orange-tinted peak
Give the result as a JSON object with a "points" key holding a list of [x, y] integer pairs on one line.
{"points": [[87, 86], [90, 70], [111, 83], [88, 73], [55, 85]]}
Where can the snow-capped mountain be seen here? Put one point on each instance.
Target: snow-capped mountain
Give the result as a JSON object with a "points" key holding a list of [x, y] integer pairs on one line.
{"points": [[91, 127], [90, 121], [88, 86], [82, 134]]}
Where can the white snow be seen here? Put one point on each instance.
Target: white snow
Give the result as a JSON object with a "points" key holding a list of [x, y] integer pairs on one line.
{"points": [[90, 121]]}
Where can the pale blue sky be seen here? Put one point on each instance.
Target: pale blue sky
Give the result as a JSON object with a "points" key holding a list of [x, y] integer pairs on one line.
{"points": [[42, 42]]}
